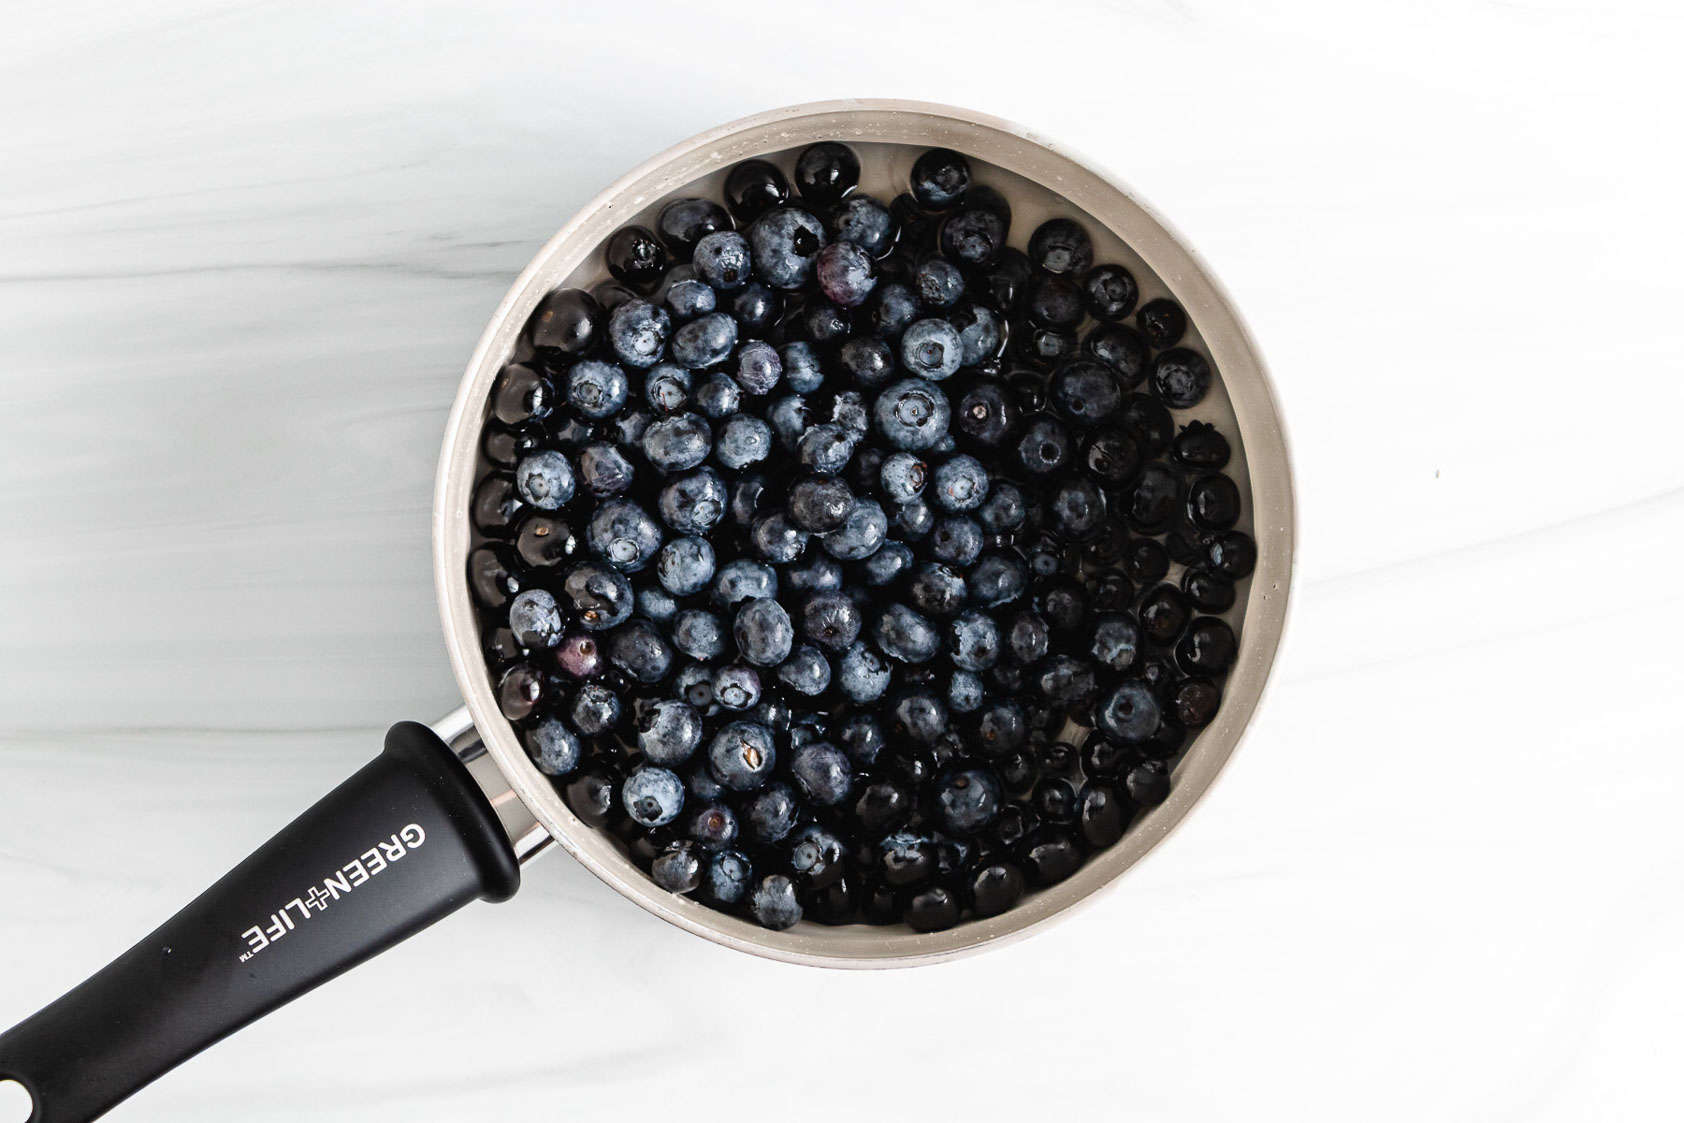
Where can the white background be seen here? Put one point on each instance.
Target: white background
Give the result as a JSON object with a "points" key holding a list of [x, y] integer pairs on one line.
{"points": [[245, 250]]}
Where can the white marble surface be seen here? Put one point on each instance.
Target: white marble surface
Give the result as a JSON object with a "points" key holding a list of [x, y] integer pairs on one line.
{"points": [[245, 250]]}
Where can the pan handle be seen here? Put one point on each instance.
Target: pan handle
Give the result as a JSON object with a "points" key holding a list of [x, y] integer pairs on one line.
{"points": [[406, 841]]}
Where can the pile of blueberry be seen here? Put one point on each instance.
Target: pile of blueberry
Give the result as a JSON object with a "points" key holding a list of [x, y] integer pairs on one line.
{"points": [[808, 536]]}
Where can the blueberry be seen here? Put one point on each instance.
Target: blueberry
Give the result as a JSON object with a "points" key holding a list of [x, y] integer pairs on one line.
{"points": [[1199, 445], [678, 868], [610, 294], [719, 396], [640, 650], [698, 634], [657, 604], [827, 172], [967, 800], [866, 223], [987, 413], [553, 748], [726, 879], [936, 590], [1077, 509], [1155, 501], [890, 561], [774, 903], [862, 674], [693, 503], [1207, 648], [860, 535], [579, 655], [1130, 712], [623, 534], [635, 258], [965, 691], [1044, 446], [685, 566], [1007, 280], [597, 389], [743, 580], [1207, 590], [605, 469], [821, 574], [918, 716], [932, 349], [1005, 509], [535, 619], [1213, 502], [903, 477], [1120, 349], [754, 187], [825, 448], [704, 342], [830, 620], [743, 440], [777, 539], [960, 483], [895, 307], [981, 335], [723, 260], [1232, 554], [1116, 641], [817, 856], [956, 540], [806, 671], [652, 796], [801, 370], [763, 632], [1148, 783], [684, 222], [758, 367], [1085, 392], [567, 321], [824, 322], [595, 709], [628, 428], [1162, 322], [848, 410], [822, 773], [912, 414], [995, 888], [668, 732], [846, 274], [938, 283], [756, 308], [940, 178], [866, 362], [637, 333], [973, 641], [997, 579], [544, 541], [1194, 702], [974, 235], [678, 442], [545, 480], [667, 388], [1054, 302], [1060, 246], [905, 636], [904, 859], [1042, 347], [1181, 378], [601, 597], [785, 243], [736, 687], [741, 755]]}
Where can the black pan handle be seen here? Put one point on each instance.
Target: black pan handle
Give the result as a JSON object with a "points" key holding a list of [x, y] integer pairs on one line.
{"points": [[406, 841]]}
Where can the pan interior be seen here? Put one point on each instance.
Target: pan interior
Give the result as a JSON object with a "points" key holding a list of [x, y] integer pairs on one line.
{"points": [[1039, 184]]}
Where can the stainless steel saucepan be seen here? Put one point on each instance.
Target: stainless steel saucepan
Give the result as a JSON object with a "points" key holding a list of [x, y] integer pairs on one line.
{"points": [[447, 814]]}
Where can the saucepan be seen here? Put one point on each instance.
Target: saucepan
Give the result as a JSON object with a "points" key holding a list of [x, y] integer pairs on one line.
{"points": [[448, 814]]}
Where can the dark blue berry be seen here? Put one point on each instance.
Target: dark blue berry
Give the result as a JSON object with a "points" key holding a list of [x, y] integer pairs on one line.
{"points": [[623, 534], [777, 539], [997, 579], [601, 597], [774, 903], [535, 618], [1060, 246], [825, 448], [1130, 712], [1181, 378], [861, 533], [912, 414], [967, 800], [685, 566], [635, 258], [895, 307], [974, 236], [1162, 322], [866, 223], [567, 321], [675, 443], [637, 333], [862, 674], [553, 748], [956, 540], [754, 187], [723, 260], [705, 341], [801, 370], [938, 283], [890, 561], [736, 687], [826, 172], [845, 274], [743, 580], [865, 361], [693, 503], [684, 222], [743, 440], [763, 632], [1044, 446], [742, 755], [981, 334], [727, 878], [652, 796], [940, 178], [932, 349], [784, 244], [595, 709]]}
